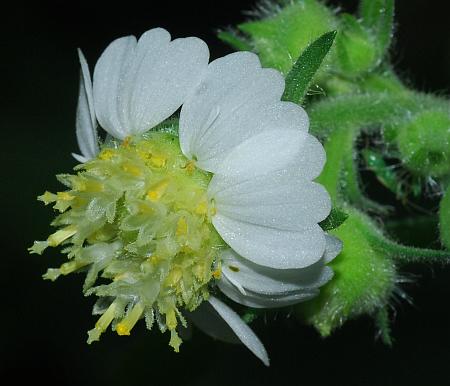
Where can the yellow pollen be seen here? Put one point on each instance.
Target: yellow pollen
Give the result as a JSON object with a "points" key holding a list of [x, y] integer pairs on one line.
{"points": [[158, 161], [190, 166], [122, 329], [132, 169], [158, 190], [106, 154], [182, 227], [144, 155], [202, 208], [127, 323], [126, 141], [217, 274], [154, 259]]}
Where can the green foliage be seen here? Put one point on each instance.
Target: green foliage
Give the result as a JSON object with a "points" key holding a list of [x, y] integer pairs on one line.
{"points": [[363, 283], [361, 95], [378, 17], [357, 53], [335, 219], [280, 37], [305, 68], [444, 219], [424, 143]]}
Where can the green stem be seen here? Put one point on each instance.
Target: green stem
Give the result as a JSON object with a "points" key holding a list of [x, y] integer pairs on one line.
{"points": [[406, 254], [340, 120], [368, 110]]}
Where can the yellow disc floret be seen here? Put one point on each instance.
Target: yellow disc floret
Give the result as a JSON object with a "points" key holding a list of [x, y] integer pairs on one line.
{"points": [[138, 216]]}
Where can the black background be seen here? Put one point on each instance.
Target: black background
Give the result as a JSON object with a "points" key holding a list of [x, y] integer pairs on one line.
{"points": [[43, 325]]}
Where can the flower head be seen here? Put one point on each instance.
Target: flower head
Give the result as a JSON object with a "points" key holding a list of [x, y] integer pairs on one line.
{"points": [[171, 209]]}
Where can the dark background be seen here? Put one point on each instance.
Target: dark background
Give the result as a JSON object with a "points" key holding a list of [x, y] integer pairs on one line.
{"points": [[43, 325]]}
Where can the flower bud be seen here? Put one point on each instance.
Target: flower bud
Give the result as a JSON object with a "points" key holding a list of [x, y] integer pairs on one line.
{"points": [[281, 34], [357, 52], [424, 143], [363, 283]]}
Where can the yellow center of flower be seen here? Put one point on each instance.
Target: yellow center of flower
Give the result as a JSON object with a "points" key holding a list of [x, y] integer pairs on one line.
{"points": [[138, 215]]}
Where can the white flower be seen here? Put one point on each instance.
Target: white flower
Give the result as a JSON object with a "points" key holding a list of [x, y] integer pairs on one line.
{"points": [[234, 125]]}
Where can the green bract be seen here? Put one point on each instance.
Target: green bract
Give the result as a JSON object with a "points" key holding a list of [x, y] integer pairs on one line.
{"points": [[424, 143], [283, 33], [365, 278], [138, 216]]}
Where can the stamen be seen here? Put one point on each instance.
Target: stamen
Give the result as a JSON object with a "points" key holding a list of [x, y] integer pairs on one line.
{"points": [[127, 323], [126, 141], [182, 227], [103, 322], [47, 198], [58, 237], [202, 208], [106, 154], [158, 161], [158, 190], [65, 196], [132, 169], [190, 166]]}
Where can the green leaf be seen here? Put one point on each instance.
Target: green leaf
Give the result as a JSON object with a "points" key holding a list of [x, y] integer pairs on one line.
{"points": [[378, 16], [234, 40], [302, 73], [334, 219]]}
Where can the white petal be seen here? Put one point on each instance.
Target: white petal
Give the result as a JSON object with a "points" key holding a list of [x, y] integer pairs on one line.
{"points": [[310, 160], [257, 300], [80, 158], [332, 249], [109, 74], [164, 80], [272, 247], [139, 84], [261, 154], [86, 124], [208, 320], [270, 281], [236, 100], [241, 329], [281, 200]]}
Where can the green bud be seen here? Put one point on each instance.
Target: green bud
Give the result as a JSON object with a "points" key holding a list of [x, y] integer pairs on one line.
{"points": [[281, 35], [444, 219], [424, 143], [363, 282], [357, 52]]}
